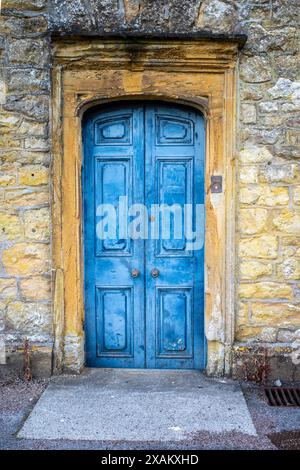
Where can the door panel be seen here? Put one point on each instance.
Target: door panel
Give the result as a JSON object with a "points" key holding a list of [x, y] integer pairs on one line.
{"points": [[175, 147], [114, 322], [174, 320], [151, 154], [114, 300]]}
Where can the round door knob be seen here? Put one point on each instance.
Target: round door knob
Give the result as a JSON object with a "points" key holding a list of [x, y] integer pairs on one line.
{"points": [[135, 273], [154, 272]]}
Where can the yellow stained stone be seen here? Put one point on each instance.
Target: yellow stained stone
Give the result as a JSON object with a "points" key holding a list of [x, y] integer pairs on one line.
{"points": [[33, 175], [288, 221], [24, 259], [289, 269], [8, 288], [249, 174], [255, 269], [37, 224], [264, 246], [245, 332], [253, 220], [265, 290], [274, 196], [255, 154], [8, 175], [275, 314], [36, 288], [10, 227], [23, 198]]}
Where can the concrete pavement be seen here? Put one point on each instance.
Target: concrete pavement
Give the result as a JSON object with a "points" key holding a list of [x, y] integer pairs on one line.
{"points": [[126, 405]]}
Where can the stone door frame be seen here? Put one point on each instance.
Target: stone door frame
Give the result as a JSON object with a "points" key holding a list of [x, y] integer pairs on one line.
{"points": [[198, 72]]}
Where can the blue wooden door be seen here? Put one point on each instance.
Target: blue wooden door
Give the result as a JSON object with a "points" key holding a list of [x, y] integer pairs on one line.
{"points": [[144, 303]]}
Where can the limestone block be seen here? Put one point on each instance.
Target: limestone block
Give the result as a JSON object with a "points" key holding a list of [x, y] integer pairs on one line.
{"points": [[264, 195], [250, 194], [255, 69], [275, 314], [28, 51], [31, 5], [265, 290], [242, 314], [9, 121], [268, 107], [285, 88], [248, 174], [27, 197], [33, 175], [245, 332], [20, 80], [6, 141], [24, 259], [36, 107], [27, 157], [36, 143], [255, 269], [37, 224], [36, 288], [32, 318], [10, 227], [249, 113], [289, 269], [8, 288], [253, 154], [253, 220], [285, 336], [32, 128], [8, 175], [280, 174], [264, 246], [288, 221], [274, 196], [216, 14], [268, 334]]}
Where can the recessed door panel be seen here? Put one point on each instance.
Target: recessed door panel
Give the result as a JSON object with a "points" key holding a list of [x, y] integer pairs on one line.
{"points": [[114, 322]]}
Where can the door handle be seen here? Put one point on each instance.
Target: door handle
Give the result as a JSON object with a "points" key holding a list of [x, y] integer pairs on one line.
{"points": [[154, 272], [135, 273]]}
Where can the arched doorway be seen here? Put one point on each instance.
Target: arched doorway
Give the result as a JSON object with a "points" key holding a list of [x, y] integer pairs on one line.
{"points": [[143, 226]]}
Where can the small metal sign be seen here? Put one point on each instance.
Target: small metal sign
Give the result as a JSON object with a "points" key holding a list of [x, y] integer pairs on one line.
{"points": [[216, 184]]}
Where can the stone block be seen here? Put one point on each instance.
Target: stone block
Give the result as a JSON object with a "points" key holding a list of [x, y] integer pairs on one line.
{"points": [[35, 288], [265, 290], [29, 318], [275, 314], [8, 288], [27, 198], [264, 246], [248, 174], [37, 224], [253, 221], [249, 113], [253, 154], [255, 269], [33, 175], [24, 259], [287, 221], [28, 51], [289, 269], [10, 227]]}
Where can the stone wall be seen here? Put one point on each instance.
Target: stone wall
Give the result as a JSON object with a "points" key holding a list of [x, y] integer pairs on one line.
{"points": [[25, 270], [268, 189]]}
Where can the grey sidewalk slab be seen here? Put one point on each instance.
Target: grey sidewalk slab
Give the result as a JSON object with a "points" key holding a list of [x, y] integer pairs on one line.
{"points": [[137, 405]]}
